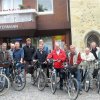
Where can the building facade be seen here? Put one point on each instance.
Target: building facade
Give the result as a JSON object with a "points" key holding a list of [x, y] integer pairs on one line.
{"points": [[47, 19], [85, 22]]}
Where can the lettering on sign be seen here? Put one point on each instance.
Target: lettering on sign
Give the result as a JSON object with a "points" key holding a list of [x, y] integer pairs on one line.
{"points": [[7, 27]]}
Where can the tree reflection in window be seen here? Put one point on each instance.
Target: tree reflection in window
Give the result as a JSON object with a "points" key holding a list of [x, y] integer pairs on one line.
{"points": [[45, 5], [41, 8]]}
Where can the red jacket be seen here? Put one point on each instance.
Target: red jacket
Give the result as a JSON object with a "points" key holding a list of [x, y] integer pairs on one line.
{"points": [[78, 61], [54, 56]]}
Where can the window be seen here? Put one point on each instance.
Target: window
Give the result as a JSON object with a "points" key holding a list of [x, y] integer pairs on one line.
{"points": [[11, 4], [45, 6]]}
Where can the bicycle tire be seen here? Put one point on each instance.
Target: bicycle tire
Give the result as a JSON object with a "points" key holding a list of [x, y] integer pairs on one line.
{"points": [[34, 77], [87, 83], [41, 75], [3, 91], [53, 84], [98, 83], [15, 83], [73, 82]]}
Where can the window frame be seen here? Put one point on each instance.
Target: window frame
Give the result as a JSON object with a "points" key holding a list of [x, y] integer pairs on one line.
{"points": [[13, 2], [46, 12]]}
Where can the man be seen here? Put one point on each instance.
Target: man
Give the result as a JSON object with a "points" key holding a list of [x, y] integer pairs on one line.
{"points": [[74, 62], [41, 56], [44, 47], [12, 48], [88, 59], [18, 55], [41, 42], [4, 56], [29, 51], [66, 51], [59, 55], [95, 50]]}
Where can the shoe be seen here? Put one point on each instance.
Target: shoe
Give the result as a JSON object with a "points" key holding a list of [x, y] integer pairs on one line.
{"points": [[80, 92], [47, 85], [61, 88], [91, 88]]}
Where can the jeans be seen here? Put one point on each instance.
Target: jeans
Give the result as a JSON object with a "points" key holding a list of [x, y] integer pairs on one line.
{"points": [[5, 71], [19, 66], [77, 74]]}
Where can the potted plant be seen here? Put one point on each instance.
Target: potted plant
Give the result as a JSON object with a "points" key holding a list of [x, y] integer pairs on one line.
{"points": [[21, 6]]}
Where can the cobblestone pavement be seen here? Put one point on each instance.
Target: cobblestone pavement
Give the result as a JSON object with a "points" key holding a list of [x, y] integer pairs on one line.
{"points": [[32, 93]]}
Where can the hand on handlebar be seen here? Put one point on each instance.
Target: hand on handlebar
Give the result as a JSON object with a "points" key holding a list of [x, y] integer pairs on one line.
{"points": [[34, 61]]}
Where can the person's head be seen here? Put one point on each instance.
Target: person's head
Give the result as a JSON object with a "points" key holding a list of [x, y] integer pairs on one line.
{"points": [[41, 42], [17, 45], [93, 45], [4, 46], [65, 47], [87, 51], [57, 46], [12, 46], [40, 47], [72, 48], [28, 41]]}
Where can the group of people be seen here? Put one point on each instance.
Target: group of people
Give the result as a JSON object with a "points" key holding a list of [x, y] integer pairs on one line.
{"points": [[71, 56]]}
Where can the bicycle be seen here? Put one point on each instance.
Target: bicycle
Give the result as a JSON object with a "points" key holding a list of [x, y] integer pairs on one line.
{"points": [[97, 64], [17, 77], [54, 78], [39, 75], [4, 80], [69, 81], [71, 84], [87, 79]]}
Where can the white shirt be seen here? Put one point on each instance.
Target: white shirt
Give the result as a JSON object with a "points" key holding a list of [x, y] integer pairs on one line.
{"points": [[89, 57], [58, 51]]}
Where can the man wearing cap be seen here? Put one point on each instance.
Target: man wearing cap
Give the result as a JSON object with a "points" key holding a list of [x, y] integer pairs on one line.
{"points": [[29, 51]]}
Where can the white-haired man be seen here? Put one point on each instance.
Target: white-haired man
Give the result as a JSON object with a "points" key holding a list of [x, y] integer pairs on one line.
{"points": [[88, 59], [59, 55]]}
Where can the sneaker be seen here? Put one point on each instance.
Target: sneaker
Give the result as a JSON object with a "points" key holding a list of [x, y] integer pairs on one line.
{"points": [[47, 85], [80, 92], [61, 88]]}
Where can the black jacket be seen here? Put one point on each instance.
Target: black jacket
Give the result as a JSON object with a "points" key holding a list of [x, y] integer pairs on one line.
{"points": [[28, 52], [40, 56]]}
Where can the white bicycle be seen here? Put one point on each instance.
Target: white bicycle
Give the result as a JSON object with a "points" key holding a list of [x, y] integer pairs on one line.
{"points": [[4, 81]]}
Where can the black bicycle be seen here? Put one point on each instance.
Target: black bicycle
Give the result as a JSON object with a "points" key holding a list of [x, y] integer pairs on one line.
{"points": [[17, 76], [39, 75], [98, 77], [71, 84]]}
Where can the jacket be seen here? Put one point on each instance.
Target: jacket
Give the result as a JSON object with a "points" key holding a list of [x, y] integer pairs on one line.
{"points": [[61, 56], [6, 57], [28, 52], [40, 56], [74, 58]]}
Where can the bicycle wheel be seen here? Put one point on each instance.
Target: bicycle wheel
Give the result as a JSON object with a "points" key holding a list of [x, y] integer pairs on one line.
{"points": [[53, 83], [4, 84], [34, 77], [19, 82], [41, 81], [87, 83], [98, 83], [73, 88]]}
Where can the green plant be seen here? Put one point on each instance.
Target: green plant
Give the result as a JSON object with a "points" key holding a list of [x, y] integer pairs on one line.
{"points": [[21, 7]]}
